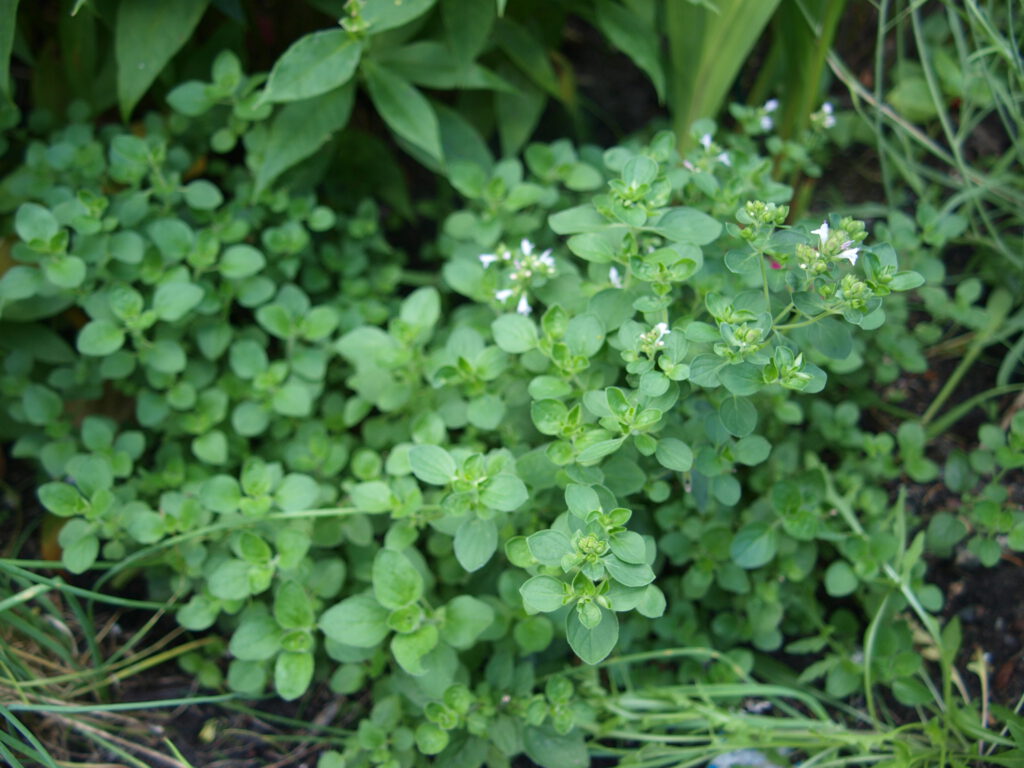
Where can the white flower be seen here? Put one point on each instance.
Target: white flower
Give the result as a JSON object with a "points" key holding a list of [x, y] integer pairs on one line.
{"points": [[487, 259], [523, 307], [723, 158], [503, 295], [663, 331], [771, 105], [828, 120], [767, 123], [547, 259], [614, 278], [821, 232], [526, 247], [705, 141], [850, 254]]}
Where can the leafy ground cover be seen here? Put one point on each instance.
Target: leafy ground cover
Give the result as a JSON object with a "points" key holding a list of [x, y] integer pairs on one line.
{"points": [[368, 397]]}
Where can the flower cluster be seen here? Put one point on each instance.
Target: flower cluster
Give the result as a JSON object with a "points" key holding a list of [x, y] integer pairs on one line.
{"points": [[824, 117], [654, 339], [527, 266]]}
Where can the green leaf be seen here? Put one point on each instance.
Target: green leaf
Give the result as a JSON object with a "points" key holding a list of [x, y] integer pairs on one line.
{"points": [[467, 25], [293, 672], [257, 638], [514, 334], [465, 618], [751, 450], [65, 271], [374, 496], [35, 223], [199, 613], [585, 335], [504, 493], [432, 464], [550, 749], [430, 738], [582, 500], [388, 14], [688, 225], [629, 547], [293, 399], [62, 499], [475, 542], [79, 556], [313, 65], [600, 449], [542, 594], [754, 545], [144, 525], [298, 131], [410, 649], [592, 645], [906, 281], [172, 301], [146, 36], [405, 109], [221, 494], [202, 195], [99, 338], [739, 416], [831, 337], [358, 621], [674, 454], [840, 580], [293, 608], [625, 29], [230, 580], [240, 261], [297, 492], [549, 547], [628, 574], [211, 447], [396, 582]]}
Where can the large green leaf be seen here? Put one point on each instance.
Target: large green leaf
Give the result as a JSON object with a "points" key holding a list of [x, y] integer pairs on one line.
{"points": [[313, 65], [628, 32], [707, 49], [298, 131], [146, 35], [405, 110]]}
